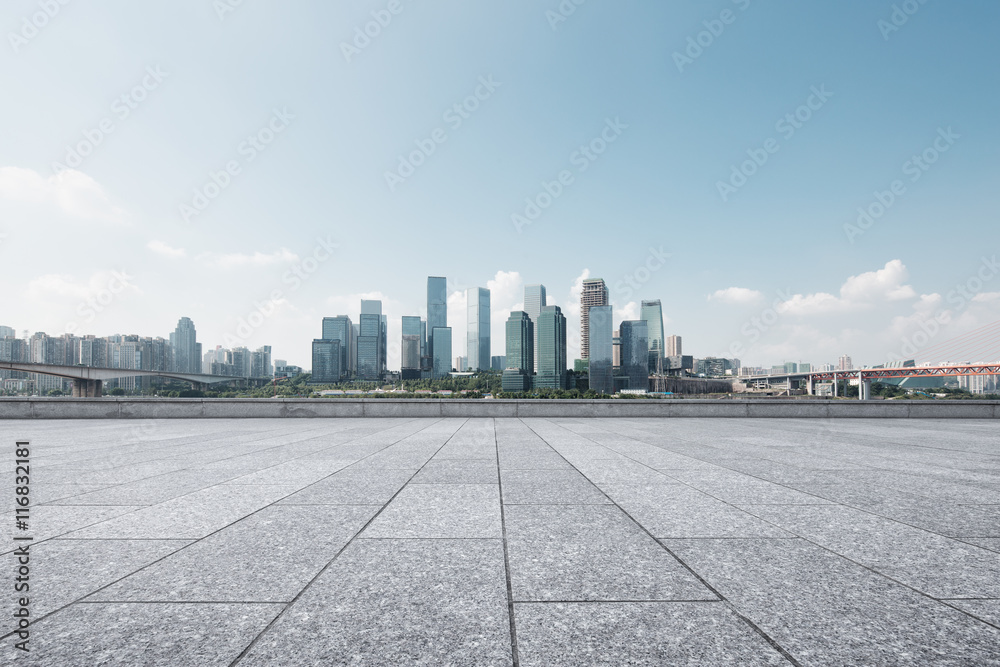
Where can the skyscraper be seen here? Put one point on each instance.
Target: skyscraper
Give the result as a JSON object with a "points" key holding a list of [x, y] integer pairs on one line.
{"points": [[325, 361], [520, 335], [601, 350], [635, 353], [442, 351], [551, 334], [437, 310], [410, 350], [478, 332], [534, 301], [595, 293], [370, 343], [673, 347], [341, 328], [845, 363], [652, 314], [187, 349]]}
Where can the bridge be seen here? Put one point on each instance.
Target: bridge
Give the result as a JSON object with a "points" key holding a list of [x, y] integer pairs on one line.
{"points": [[88, 381], [865, 376]]}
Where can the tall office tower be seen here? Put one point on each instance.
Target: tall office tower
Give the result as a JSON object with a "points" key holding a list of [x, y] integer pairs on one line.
{"points": [[635, 353], [187, 349], [478, 332], [437, 310], [260, 362], [325, 361], [673, 346], [498, 363], [370, 341], [534, 301], [595, 293], [383, 348], [410, 350], [6, 332], [601, 350], [652, 313], [551, 332], [353, 354], [845, 363], [520, 335], [442, 351], [616, 349], [341, 328]]}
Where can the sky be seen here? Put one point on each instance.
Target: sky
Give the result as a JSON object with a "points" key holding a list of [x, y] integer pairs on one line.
{"points": [[794, 181]]}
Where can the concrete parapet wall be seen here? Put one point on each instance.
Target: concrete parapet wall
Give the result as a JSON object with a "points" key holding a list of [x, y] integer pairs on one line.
{"points": [[191, 408]]}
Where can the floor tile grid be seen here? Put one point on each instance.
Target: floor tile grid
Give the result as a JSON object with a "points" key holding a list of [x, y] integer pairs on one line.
{"points": [[319, 574], [736, 612], [854, 562], [195, 541]]}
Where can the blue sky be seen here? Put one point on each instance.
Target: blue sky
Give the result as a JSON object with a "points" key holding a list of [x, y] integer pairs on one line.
{"points": [[766, 272]]}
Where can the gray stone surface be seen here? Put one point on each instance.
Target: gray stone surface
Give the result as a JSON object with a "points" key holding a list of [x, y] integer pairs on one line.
{"points": [[646, 634], [401, 541], [428, 602]]}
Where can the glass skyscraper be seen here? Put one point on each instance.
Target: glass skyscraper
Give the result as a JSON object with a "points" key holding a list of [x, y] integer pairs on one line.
{"points": [[534, 301], [652, 314], [635, 353], [437, 310], [325, 361], [478, 332], [341, 328], [442, 351], [370, 341], [520, 360], [551, 332], [601, 348], [410, 350], [187, 349]]}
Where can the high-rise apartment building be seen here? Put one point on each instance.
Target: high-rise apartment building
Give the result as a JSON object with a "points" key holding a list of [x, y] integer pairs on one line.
{"points": [[534, 301], [845, 363], [551, 332], [673, 346], [478, 331], [437, 310], [652, 313], [595, 293], [6, 332], [635, 353], [187, 349], [442, 351], [601, 362]]}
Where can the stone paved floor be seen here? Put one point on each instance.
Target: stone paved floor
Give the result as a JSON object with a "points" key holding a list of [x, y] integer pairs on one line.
{"points": [[541, 542]]}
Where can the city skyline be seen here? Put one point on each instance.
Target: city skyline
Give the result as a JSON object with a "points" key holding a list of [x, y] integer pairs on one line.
{"points": [[818, 250]]}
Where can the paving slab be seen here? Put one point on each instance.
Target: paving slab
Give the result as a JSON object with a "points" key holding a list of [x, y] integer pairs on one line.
{"points": [[590, 552], [440, 511], [152, 635], [353, 486], [457, 471], [647, 634], [428, 602], [549, 487], [267, 557]]}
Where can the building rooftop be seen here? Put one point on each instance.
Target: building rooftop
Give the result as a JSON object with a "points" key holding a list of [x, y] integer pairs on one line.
{"points": [[484, 541]]}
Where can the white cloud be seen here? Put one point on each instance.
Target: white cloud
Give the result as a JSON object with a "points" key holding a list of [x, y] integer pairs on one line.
{"points": [[238, 260], [736, 295], [861, 292], [76, 193], [161, 248], [986, 297], [630, 311]]}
